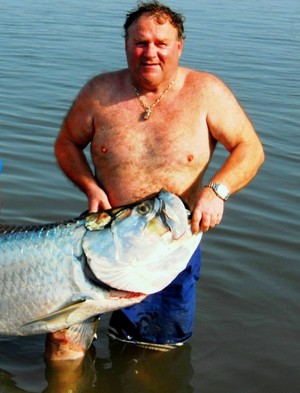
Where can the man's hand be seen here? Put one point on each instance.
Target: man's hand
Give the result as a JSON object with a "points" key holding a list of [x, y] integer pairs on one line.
{"points": [[208, 211], [98, 199]]}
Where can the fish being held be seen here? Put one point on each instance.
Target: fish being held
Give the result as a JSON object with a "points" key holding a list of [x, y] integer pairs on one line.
{"points": [[62, 275]]}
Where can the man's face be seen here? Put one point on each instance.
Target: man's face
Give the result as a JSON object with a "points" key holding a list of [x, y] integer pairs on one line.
{"points": [[153, 50]]}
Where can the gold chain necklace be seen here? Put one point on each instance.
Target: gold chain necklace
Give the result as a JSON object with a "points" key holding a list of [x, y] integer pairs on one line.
{"points": [[148, 109]]}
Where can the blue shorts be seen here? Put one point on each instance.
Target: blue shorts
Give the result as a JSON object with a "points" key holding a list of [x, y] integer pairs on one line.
{"points": [[165, 319]]}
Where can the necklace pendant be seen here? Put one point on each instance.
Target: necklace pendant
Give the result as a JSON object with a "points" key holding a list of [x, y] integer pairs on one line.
{"points": [[147, 113]]}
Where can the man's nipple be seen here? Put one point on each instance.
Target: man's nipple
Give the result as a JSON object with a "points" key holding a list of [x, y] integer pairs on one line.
{"points": [[190, 157]]}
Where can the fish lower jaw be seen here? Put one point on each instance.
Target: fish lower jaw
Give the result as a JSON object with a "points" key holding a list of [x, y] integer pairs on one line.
{"points": [[115, 294]]}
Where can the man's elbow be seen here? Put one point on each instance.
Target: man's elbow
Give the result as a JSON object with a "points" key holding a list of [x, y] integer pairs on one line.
{"points": [[61, 149]]}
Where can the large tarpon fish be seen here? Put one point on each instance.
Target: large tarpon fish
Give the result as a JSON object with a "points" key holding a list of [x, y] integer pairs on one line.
{"points": [[56, 276]]}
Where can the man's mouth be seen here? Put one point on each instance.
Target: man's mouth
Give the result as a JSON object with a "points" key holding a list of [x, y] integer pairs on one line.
{"points": [[150, 64], [145, 63]]}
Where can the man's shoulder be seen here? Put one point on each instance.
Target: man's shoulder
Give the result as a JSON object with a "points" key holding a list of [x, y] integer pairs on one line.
{"points": [[205, 78], [202, 83], [108, 77], [103, 83]]}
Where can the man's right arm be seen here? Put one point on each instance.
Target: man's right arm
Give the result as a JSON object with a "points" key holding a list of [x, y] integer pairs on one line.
{"points": [[75, 134]]}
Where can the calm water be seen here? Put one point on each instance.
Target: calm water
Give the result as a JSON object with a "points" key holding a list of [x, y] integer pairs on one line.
{"points": [[247, 330]]}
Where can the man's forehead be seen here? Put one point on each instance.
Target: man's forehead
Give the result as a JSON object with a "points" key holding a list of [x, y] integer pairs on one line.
{"points": [[145, 23]]}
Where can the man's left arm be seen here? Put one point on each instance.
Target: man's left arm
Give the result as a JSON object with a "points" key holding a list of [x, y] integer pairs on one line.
{"points": [[229, 125]]}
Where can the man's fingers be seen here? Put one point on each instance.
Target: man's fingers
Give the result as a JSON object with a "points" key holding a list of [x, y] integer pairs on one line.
{"points": [[93, 207], [195, 224], [205, 222], [209, 221], [207, 213]]}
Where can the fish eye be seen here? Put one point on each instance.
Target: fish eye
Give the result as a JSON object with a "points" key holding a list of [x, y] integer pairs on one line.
{"points": [[144, 208]]}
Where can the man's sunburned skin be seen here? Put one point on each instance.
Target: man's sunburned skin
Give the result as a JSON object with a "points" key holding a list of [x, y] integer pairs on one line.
{"points": [[169, 159]]}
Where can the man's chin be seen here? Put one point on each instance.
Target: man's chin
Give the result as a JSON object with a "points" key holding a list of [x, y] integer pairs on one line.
{"points": [[151, 76]]}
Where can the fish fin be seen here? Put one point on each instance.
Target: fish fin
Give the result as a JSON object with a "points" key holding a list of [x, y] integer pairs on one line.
{"points": [[71, 343], [83, 334], [56, 318]]}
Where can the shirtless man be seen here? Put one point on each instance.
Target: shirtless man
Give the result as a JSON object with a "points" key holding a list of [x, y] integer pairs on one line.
{"points": [[155, 125]]}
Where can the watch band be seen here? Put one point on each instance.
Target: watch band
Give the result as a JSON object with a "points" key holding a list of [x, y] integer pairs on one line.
{"points": [[219, 189]]}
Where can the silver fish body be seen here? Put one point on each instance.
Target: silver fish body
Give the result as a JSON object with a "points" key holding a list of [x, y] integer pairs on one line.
{"points": [[58, 275]]}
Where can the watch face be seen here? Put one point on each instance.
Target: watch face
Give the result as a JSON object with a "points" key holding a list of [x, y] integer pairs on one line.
{"points": [[222, 190]]}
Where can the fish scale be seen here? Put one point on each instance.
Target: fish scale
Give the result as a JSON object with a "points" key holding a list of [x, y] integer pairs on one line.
{"points": [[36, 281]]}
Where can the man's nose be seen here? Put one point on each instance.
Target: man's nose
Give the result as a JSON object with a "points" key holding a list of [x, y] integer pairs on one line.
{"points": [[150, 50]]}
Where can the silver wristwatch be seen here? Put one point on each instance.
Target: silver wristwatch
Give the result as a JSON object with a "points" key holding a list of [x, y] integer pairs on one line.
{"points": [[220, 190]]}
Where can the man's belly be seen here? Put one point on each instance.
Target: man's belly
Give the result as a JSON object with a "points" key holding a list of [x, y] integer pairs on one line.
{"points": [[131, 186]]}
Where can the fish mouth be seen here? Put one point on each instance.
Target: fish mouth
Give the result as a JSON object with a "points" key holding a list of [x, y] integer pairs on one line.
{"points": [[120, 294]]}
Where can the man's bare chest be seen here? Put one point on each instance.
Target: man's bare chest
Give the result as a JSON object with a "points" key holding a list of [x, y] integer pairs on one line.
{"points": [[151, 142]]}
